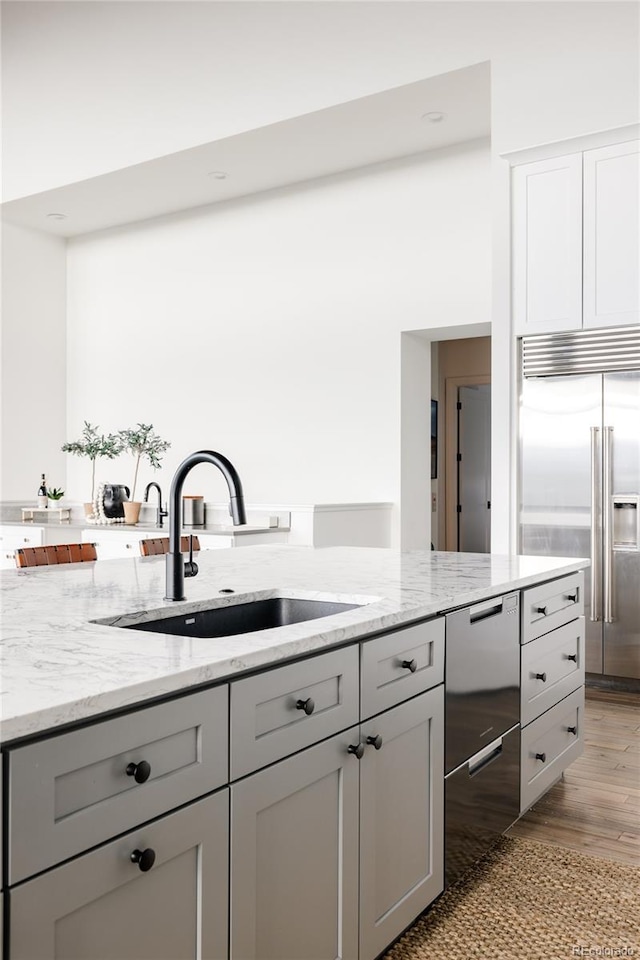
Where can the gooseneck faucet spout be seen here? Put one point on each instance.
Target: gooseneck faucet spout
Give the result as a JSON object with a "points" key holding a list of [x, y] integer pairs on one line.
{"points": [[160, 513], [175, 564]]}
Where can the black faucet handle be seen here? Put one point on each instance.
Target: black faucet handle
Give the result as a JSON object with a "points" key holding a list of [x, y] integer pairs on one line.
{"points": [[190, 567]]}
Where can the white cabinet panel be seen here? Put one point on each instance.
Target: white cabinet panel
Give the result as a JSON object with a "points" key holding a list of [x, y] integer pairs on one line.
{"points": [[13, 537], [547, 245], [611, 231]]}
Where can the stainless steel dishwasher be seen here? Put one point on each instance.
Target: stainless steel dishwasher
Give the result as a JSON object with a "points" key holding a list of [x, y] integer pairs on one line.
{"points": [[482, 730]]}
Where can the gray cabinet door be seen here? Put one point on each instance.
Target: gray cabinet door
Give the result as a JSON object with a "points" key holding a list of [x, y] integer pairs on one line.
{"points": [[101, 906], [294, 856], [401, 818]]}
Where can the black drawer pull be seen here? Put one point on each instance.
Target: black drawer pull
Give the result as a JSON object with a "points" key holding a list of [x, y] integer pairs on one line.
{"points": [[542, 610], [541, 676], [572, 597], [573, 730], [307, 705], [572, 656], [375, 741], [411, 665], [541, 756], [357, 749], [144, 858], [139, 771]]}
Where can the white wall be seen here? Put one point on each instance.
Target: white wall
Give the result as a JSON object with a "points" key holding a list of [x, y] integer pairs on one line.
{"points": [[33, 362], [96, 86], [90, 87], [269, 328]]}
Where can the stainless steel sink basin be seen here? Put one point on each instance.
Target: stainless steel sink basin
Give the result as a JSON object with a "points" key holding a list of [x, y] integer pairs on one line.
{"points": [[239, 618]]}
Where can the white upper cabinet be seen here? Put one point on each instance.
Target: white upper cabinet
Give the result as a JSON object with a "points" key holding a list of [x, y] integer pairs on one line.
{"points": [[575, 250], [611, 248], [547, 245]]}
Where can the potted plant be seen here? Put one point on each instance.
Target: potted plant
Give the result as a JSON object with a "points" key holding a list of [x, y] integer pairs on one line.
{"points": [[142, 443], [55, 495], [94, 445]]}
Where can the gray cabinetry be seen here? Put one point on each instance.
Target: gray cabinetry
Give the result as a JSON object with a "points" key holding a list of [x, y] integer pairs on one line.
{"points": [[338, 848], [401, 817], [549, 605], [549, 745], [102, 906], [294, 857], [280, 711], [401, 664], [78, 789], [552, 669]]}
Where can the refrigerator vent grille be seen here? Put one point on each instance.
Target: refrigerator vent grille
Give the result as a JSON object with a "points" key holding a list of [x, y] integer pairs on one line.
{"points": [[587, 351]]}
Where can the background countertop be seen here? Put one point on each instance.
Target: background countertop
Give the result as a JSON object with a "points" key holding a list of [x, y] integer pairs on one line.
{"points": [[58, 667]]}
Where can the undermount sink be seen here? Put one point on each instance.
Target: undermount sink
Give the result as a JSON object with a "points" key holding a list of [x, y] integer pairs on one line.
{"points": [[227, 621]]}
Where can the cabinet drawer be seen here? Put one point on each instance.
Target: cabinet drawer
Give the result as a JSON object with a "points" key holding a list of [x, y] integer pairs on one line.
{"points": [[549, 605], [552, 666], [284, 710], [71, 792], [549, 745], [401, 664]]}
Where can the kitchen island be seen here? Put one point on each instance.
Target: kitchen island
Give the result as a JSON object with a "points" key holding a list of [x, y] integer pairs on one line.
{"points": [[58, 667], [291, 754]]}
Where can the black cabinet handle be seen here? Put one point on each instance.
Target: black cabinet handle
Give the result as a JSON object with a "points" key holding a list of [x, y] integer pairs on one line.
{"points": [[541, 676], [139, 771], [573, 730], [411, 665], [357, 749], [541, 756], [572, 656], [375, 741], [542, 610], [572, 597], [144, 858], [307, 705]]}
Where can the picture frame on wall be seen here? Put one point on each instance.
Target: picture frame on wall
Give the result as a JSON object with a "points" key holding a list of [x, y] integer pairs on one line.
{"points": [[434, 439]]}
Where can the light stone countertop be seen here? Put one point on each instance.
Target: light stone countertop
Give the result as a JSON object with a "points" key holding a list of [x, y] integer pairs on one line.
{"points": [[57, 667]]}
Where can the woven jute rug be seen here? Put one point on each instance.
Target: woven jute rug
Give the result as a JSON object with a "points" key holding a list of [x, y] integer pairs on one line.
{"points": [[531, 900]]}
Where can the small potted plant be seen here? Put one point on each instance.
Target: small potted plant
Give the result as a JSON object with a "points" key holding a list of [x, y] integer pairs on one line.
{"points": [[142, 443], [55, 495], [94, 445]]}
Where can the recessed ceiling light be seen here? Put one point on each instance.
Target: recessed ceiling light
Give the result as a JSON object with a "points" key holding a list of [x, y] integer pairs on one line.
{"points": [[434, 117], [57, 216], [218, 174]]}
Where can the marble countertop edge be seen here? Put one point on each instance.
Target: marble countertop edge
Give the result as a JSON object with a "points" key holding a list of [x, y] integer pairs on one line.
{"points": [[60, 667]]}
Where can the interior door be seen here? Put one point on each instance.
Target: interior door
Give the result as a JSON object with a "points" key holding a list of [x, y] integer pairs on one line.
{"points": [[561, 482], [621, 561], [474, 468]]}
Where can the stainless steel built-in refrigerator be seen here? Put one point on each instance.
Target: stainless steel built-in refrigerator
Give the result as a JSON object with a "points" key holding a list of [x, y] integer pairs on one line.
{"points": [[580, 477]]}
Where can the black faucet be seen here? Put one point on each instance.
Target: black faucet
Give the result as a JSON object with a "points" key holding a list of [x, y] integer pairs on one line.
{"points": [[160, 513], [177, 569]]}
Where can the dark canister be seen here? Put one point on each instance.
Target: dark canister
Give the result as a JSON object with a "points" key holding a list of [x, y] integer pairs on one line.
{"points": [[114, 496]]}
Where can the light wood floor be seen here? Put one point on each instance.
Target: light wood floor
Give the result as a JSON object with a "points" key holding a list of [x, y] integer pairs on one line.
{"points": [[595, 809]]}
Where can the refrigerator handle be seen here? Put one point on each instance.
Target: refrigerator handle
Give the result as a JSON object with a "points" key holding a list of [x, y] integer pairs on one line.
{"points": [[595, 613], [607, 523]]}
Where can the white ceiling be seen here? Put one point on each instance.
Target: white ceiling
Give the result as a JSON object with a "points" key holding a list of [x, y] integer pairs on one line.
{"points": [[369, 130]]}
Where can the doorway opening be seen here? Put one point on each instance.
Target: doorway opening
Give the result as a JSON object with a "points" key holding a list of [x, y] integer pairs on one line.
{"points": [[461, 374]]}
